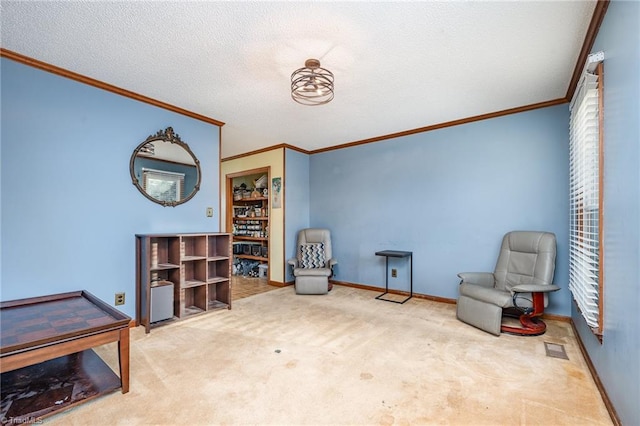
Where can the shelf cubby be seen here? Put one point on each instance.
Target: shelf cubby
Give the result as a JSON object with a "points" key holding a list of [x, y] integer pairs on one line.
{"points": [[219, 295], [193, 301], [218, 270], [218, 247], [193, 272], [193, 246]]}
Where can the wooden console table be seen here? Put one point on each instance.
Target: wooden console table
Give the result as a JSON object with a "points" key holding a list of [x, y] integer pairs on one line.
{"points": [[45, 338]]}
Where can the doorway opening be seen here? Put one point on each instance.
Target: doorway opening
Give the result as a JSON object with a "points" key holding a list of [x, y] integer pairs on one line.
{"points": [[247, 219]]}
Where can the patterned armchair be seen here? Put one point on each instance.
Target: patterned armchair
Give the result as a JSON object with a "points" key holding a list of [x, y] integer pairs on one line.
{"points": [[314, 263]]}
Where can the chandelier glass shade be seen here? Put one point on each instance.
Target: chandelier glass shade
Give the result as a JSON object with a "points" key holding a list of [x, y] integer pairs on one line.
{"points": [[312, 85]]}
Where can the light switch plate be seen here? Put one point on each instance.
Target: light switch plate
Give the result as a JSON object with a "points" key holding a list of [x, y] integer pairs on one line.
{"points": [[209, 211]]}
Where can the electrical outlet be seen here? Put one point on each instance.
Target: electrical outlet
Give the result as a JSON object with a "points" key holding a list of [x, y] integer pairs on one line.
{"points": [[119, 299], [209, 211], [394, 273]]}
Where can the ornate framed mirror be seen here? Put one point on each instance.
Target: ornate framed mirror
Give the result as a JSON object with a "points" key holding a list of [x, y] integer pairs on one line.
{"points": [[164, 169]]}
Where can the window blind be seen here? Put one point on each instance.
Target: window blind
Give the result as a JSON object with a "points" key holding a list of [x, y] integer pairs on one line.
{"points": [[163, 185], [585, 196]]}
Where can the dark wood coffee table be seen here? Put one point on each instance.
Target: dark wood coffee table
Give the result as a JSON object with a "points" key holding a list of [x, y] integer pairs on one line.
{"points": [[45, 344]]}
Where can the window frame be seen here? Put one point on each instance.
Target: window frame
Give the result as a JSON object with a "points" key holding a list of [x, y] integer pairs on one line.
{"points": [[173, 178]]}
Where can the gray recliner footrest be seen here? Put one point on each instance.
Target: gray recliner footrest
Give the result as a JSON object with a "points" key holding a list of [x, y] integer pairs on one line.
{"points": [[485, 316], [306, 272], [312, 285], [492, 296]]}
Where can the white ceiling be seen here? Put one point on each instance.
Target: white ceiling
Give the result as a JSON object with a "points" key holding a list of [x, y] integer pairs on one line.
{"points": [[397, 65]]}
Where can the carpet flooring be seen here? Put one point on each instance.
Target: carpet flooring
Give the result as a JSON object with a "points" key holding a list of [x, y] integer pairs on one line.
{"points": [[344, 359]]}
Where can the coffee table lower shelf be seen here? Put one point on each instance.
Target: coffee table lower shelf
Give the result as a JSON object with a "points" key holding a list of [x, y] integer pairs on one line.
{"points": [[41, 390]]}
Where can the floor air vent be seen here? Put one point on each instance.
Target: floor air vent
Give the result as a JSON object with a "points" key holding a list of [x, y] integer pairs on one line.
{"points": [[555, 350]]}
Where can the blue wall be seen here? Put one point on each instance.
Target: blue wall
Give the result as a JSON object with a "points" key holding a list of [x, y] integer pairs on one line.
{"points": [[617, 358], [69, 208], [296, 199], [447, 195]]}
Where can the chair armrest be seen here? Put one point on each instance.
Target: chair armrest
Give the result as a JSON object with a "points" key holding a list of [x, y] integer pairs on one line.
{"points": [[331, 263], [485, 279], [293, 262], [534, 288]]}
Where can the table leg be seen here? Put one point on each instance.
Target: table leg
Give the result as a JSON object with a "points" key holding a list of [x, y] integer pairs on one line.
{"points": [[386, 274], [411, 278], [123, 357]]}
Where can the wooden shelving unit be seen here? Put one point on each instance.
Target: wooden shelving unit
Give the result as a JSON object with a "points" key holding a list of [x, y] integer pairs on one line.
{"points": [[198, 266], [248, 212]]}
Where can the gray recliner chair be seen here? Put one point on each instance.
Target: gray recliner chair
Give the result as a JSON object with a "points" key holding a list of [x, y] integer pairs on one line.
{"points": [[518, 287], [314, 263]]}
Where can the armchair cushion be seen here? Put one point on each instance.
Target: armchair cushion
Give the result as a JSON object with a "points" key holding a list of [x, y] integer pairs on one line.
{"points": [[312, 272], [311, 255], [486, 294], [485, 279]]}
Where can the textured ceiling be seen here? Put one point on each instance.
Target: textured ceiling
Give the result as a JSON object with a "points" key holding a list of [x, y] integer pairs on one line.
{"points": [[397, 65]]}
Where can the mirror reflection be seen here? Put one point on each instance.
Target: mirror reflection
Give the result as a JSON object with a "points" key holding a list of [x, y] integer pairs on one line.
{"points": [[164, 169]]}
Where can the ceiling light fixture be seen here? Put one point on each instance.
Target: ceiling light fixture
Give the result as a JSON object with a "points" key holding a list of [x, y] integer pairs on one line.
{"points": [[312, 85]]}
